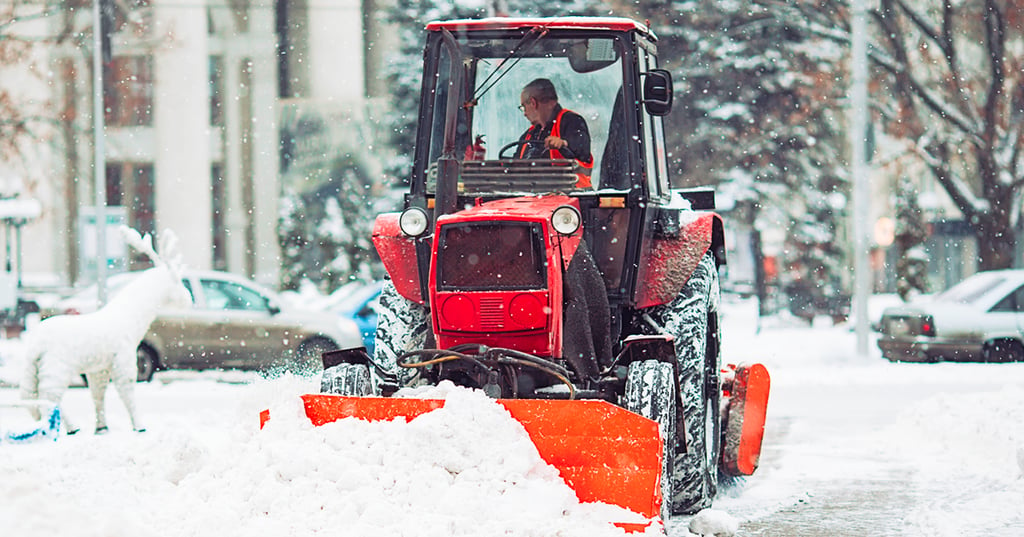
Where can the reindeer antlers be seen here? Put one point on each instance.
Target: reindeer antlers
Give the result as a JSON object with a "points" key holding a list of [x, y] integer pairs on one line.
{"points": [[144, 244], [140, 243]]}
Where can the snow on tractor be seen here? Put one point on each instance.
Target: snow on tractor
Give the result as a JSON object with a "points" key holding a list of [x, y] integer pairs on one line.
{"points": [[578, 289]]}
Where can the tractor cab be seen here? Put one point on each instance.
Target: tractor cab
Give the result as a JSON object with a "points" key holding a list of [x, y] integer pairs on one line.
{"points": [[604, 69]]}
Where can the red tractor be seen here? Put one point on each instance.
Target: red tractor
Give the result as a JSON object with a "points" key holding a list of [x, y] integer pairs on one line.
{"points": [[569, 303]]}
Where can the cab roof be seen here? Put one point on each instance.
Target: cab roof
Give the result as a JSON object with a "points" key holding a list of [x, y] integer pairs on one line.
{"points": [[620, 24]]}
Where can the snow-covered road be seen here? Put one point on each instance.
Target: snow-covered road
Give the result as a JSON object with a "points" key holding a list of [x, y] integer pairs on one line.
{"points": [[854, 446], [859, 446]]}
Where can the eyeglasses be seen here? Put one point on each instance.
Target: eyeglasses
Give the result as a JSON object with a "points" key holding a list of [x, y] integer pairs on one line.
{"points": [[522, 108]]}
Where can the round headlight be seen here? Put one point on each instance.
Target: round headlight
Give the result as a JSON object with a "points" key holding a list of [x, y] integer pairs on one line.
{"points": [[565, 220], [413, 221]]}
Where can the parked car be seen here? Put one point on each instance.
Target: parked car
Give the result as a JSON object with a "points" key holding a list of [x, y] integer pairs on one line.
{"points": [[979, 319], [360, 305], [234, 323]]}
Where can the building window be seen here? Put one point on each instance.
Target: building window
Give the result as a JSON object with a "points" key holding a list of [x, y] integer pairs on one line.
{"points": [[220, 232], [132, 185], [128, 96], [217, 91]]}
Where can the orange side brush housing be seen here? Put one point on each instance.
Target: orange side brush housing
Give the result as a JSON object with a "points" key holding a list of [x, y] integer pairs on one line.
{"points": [[747, 411], [604, 452]]}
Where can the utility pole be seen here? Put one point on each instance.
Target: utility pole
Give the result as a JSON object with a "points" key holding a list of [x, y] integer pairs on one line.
{"points": [[99, 158], [859, 171]]}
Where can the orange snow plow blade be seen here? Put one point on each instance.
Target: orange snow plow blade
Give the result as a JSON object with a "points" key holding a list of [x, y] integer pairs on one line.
{"points": [[604, 452], [748, 409]]}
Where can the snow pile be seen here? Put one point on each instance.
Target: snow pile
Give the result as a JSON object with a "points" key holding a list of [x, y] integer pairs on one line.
{"points": [[465, 469], [713, 523]]}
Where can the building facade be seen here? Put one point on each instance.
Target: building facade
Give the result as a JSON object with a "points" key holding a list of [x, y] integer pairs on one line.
{"points": [[195, 95]]}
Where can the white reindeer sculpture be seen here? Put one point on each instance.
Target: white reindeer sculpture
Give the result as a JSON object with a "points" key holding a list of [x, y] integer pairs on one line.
{"points": [[102, 345]]}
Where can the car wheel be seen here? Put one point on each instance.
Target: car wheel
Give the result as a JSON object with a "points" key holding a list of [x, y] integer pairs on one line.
{"points": [[347, 379], [309, 356], [651, 393], [692, 319], [147, 361], [1003, 350]]}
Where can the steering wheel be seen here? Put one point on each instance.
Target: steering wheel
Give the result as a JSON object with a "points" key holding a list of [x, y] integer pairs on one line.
{"points": [[565, 151], [517, 144]]}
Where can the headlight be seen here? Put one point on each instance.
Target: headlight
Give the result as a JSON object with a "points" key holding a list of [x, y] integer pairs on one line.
{"points": [[413, 221], [566, 220]]}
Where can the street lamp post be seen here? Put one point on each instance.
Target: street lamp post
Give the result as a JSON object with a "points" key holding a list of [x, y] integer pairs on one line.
{"points": [[99, 159], [859, 171]]}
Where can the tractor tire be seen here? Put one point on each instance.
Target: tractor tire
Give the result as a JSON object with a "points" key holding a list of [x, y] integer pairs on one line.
{"points": [[651, 393], [402, 326], [347, 379], [692, 319]]}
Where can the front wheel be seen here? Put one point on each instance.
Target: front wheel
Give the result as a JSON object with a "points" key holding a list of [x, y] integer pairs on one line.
{"points": [[402, 326], [347, 379], [651, 393]]}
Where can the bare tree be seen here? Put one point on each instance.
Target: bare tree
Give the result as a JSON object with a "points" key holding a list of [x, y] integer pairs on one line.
{"points": [[27, 29], [949, 80], [956, 72]]}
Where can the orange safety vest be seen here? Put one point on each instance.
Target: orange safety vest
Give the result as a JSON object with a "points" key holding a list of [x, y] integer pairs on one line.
{"points": [[583, 169]]}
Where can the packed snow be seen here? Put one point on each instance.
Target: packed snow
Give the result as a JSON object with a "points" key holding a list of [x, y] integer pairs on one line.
{"points": [[204, 467]]}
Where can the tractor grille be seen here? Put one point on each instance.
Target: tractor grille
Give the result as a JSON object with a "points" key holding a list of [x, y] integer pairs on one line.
{"points": [[503, 255], [492, 316]]}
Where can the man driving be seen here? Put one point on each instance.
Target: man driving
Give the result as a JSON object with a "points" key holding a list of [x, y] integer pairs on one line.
{"points": [[555, 132]]}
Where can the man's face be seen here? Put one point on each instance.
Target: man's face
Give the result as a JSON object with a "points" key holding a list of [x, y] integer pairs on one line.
{"points": [[529, 107]]}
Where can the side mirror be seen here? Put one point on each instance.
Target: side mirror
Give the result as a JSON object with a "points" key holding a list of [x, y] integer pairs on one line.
{"points": [[658, 92]]}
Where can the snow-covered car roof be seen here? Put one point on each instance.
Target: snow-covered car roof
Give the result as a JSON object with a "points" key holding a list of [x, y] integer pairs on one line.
{"points": [[983, 289]]}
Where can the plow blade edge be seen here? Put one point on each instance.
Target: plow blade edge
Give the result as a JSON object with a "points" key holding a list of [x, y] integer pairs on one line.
{"points": [[604, 452], [747, 411]]}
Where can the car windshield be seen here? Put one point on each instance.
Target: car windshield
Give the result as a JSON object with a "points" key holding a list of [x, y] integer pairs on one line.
{"points": [[973, 288], [587, 75]]}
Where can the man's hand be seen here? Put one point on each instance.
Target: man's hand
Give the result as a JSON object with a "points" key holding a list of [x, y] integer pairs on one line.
{"points": [[554, 142]]}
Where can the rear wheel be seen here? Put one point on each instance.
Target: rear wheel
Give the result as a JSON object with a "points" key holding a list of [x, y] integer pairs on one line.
{"points": [[1004, 350], [651, 393], [146, 357], [692, 319], [347, 379], [402, 326]]}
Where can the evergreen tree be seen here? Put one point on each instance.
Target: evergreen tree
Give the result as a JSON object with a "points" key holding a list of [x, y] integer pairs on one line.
{"points": [[325, 231], [758, 112], [910, 237]]}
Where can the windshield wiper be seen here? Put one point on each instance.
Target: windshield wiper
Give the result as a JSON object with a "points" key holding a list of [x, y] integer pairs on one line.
{"points": [[532, 37]]}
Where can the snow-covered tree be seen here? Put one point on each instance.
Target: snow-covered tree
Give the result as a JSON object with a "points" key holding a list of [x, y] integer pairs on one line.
{"points": [[758, 112], [325, 230], [911, 234], [26, 29], [291, 235]]}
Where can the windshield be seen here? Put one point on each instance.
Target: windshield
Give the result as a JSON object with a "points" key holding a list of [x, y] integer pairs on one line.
{"points": [[586, 74]]}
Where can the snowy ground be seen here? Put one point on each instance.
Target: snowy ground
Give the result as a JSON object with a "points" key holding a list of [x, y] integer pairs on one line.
{"points": [[854, 446]]}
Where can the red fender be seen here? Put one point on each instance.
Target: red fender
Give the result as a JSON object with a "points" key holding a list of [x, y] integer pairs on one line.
{"points": [[670, 259], [398, 253]]}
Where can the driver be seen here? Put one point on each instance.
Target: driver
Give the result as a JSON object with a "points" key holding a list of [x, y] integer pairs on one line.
{"points": [[555, 132]]}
